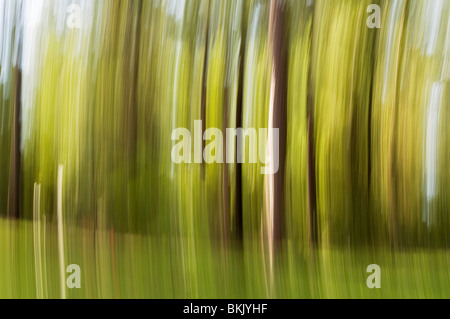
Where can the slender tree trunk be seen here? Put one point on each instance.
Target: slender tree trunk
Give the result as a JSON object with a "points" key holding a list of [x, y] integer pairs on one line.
{"points": [[238, 201], [311, 174], [204, 87], [311, 156], [277, 120], [14, 172], [133, 32], [225, 179]]}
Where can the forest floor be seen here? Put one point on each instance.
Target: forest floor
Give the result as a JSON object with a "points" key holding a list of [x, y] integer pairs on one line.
{"points": [[115, 265]]}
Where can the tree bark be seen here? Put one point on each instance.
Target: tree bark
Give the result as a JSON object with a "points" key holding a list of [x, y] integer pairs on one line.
{"points": [[204, 87], [277, 117], [14, 172], [312, 201]]}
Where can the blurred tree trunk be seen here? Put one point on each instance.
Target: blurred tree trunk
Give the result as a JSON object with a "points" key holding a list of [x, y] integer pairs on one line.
{"points": [[204, 87], [131, 71], [14, 171], [311, 157], [277, 119]]}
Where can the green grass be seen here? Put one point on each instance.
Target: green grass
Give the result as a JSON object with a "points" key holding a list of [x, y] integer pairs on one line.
{"points": [[135, 266]]}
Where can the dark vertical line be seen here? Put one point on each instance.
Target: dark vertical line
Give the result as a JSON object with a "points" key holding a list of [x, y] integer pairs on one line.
{"points": [[239, 109], [369, 150], [369, 129], [225, 181], [312, 199], [14, 180], [311, 175], [15, 163], [279, 47], [204, 87], [133, 107]]}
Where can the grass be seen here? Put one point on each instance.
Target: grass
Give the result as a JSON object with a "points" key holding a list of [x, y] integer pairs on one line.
{"points": [[115, 265]]}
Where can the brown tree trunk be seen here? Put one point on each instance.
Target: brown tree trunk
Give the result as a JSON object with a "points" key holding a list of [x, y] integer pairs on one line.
{"points": [[131, 108], [311, 157], [225, 179], [238, 202], [14, 166], [204, 81], [278, 113]]}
